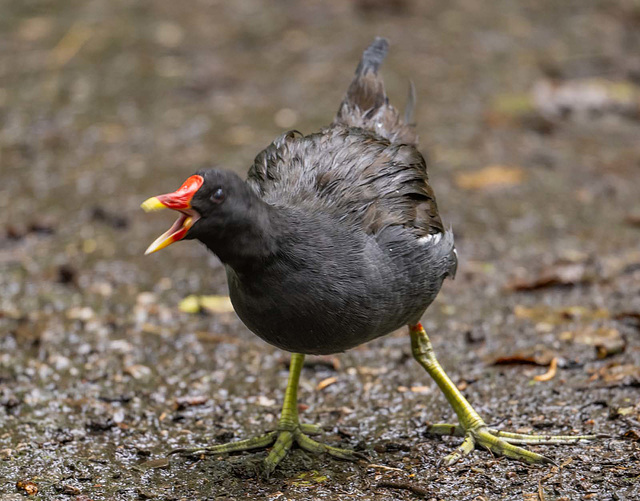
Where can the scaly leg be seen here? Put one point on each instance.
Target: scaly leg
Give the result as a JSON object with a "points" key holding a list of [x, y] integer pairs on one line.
{"points": [[289, 431], [472, 427]]}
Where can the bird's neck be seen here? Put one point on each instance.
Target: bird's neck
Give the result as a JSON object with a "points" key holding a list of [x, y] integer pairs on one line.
{"points": [[249, 240]]}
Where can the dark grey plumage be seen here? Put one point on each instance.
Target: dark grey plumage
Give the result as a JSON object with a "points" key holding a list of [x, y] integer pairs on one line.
{"points": [[333, 240], [336, 239]]}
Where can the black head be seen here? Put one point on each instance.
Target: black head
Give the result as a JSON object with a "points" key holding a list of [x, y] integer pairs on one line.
{"points": [[222, 203], [216, 207]]}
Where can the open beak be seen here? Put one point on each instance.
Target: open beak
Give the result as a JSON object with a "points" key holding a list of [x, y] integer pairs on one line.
{"points": [[179, 200]]}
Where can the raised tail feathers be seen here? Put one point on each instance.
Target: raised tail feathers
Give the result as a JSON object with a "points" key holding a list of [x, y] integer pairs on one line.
{"points": [[372, 57], [366, 104]]}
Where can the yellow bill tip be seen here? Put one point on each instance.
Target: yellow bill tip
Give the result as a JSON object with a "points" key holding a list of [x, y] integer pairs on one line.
{"points": [[152, 204], [160, 243], [150, 250]]}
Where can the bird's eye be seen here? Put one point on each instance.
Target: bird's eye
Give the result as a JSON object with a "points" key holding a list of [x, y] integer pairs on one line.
{"points": [[218, 196]]}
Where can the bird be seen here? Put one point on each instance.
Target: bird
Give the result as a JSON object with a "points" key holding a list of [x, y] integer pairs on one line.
{"points": [[334, 239]]}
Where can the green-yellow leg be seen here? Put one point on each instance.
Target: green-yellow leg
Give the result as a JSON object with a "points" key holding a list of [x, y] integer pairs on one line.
{"points": [[289, 431], [472, 427]]}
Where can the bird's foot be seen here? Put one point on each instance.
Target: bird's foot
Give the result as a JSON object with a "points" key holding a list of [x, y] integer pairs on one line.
{"points": [[294, 432], [474, 430], [282, 440], [501, 443]]}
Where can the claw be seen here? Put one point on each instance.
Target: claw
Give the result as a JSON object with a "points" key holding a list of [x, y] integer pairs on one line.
{"points": [[465, 448]]}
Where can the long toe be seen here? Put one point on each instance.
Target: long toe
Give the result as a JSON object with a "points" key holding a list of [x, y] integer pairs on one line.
{"points": [[280, 449], [242, 445], [523, 439], [501, 447], [502, 443], [310, 445]]}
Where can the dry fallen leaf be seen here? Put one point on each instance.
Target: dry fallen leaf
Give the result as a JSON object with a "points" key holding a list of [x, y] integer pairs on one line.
{"points": [[138, 371], [608, 348], [211, 304], [532, 356], [632, 435], [614, 375], [207, 337], [264, 401], [562, 273], [551, 373], [326, 382], [633, 219], [30, 488], [159, 463], [492, 176], [371, 371], [189, 401]]}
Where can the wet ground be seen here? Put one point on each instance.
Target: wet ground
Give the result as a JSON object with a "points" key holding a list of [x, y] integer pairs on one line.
{"points": [[529, 112]]}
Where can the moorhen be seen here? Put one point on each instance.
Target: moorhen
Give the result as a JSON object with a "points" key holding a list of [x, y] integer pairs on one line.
{"points": [[334, 240]]}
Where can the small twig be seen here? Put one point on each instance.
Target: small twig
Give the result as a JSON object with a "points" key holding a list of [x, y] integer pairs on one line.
{"points": [[326, 382], [540, 491], [416, 489], [371, 465]]}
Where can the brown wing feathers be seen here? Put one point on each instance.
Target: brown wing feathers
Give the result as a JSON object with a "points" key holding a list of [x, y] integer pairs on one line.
{"points": [[364, 167]]}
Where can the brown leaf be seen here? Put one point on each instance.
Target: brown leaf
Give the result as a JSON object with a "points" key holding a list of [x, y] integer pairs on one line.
{"points": [[189, 401], [29, 487], [633, 435], [490, 177], [417, 490], [532, 356], [614, 375], [610, 347], [617, 372], [207, 337], [561, 273], [633, 219], [138, 371], [69, 490], [629, 316], [371, 371], [156, 463]]}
